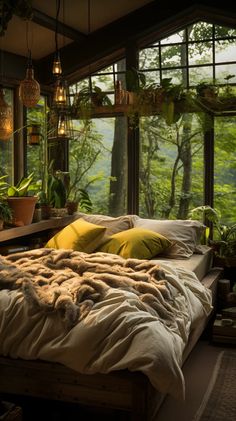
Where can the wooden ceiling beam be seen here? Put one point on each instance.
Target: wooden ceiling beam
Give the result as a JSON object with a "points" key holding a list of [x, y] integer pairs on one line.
{"points": [[50, 23]]}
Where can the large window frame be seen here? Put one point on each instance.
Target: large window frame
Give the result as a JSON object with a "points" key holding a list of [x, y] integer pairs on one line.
{"points": [[131, 58]]}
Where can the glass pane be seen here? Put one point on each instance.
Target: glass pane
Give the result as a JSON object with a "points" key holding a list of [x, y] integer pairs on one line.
{"points": [[223, 71], [152, 77], [171, 167], [225, 51], [6, 146], [149, 58], [36, 135], [119, 65], [200, 31], [225, 168], [172, 39], [221, 31], [175, 75], [200, 53], [105, 82], [106, 70], [98, 163], [173, 56], [199, 74]]}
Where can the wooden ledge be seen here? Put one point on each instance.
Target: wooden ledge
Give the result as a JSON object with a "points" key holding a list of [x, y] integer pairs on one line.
{"points": [[47, 224]]}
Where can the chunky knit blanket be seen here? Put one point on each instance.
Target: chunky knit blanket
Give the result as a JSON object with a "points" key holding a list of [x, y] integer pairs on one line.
{"points": [[71, 282]]}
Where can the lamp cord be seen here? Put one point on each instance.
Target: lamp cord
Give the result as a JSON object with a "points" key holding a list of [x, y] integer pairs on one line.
{"points": [[28, 46], [89, 17], [58, 6]]}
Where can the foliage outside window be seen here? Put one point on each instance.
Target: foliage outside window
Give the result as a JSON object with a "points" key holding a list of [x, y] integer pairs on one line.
{"points": [[171, 163], [97, 164], [36, 116], [98, 152], [6, 147], [171, 167], [225, 168], [171, 179]]}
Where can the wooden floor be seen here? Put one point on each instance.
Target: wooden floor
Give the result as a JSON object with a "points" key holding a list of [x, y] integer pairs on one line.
{"points": [[197, 371]]}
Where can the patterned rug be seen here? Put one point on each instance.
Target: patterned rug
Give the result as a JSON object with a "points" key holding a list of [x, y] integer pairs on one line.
{"points": [[219, 403]]}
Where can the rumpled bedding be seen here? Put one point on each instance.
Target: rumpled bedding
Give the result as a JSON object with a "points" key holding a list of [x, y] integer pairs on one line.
{"points": [[96, 313]]}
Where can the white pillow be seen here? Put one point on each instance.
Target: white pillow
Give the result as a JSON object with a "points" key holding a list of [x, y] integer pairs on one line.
{"points": [[113, 224], [185, 234]]}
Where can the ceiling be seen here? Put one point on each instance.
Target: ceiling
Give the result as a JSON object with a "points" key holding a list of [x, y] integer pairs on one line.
{"points": [[78, 17], [89, 30]]}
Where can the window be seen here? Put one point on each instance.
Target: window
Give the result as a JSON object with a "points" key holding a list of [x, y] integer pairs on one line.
{"points": [[225, 168], [6, 146], [36, 132], [171, 179], [98, 151], [98, 163], [171, 166]]}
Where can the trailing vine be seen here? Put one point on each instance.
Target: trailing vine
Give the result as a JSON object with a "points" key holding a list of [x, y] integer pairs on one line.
{"points": [[8, 8]]}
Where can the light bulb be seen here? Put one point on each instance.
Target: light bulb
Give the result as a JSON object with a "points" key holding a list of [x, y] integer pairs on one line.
{"points": [[56, 67]]}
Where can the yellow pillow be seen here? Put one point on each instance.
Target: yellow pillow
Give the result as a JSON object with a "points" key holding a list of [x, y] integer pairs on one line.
{"points": [[80, 235], [136, 243]]}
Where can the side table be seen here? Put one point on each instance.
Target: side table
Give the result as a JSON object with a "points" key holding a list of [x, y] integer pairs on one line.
{"points": [[224, 327]]}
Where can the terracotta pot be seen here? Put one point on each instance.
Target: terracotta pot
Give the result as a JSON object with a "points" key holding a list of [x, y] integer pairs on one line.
{"points": [[22, 209]]}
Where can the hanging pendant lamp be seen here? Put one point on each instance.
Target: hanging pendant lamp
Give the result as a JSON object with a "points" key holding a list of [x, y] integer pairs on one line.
{"points": [[60, 94], [6, 120], [29, 87], [56, 66]]}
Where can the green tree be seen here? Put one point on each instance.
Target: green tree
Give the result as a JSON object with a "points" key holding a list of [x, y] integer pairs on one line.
{"points": [[178, 187]]}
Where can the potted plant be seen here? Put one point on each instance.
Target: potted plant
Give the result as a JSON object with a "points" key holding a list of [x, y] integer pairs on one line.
{"points": [[227, 94], [57, 193], [224, 243], [87, 99], [44, 205], [21, 202], [207, 91], [79, 200]]}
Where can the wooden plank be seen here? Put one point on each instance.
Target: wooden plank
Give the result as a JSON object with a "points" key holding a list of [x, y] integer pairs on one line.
{"points": [[47, 224], [117, 390], [211, 280]]}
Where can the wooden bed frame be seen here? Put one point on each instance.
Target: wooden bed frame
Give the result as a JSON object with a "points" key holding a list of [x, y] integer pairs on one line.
{"points": [[122, 390]]}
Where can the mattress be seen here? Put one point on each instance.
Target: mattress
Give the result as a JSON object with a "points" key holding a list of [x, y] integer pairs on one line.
{"points": [[200, 264]]}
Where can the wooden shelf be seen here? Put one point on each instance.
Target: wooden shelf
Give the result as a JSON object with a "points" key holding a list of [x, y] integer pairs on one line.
{"points": [[221, 106], [47, 224]]}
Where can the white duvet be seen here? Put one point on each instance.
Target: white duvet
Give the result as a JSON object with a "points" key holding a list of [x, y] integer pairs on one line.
{"points": [[119, 332]]}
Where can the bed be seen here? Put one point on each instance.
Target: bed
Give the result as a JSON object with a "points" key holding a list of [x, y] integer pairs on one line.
{"points": [[110, 322]]}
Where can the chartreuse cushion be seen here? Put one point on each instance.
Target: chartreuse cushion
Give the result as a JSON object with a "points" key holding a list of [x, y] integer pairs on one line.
{"points": [[80, 235], [136, 243]]}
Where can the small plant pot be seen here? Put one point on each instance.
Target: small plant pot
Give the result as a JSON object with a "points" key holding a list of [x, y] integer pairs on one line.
{"points": [[37, 215], [72, 207], [45, 211], [58, 212], [22, 209]]}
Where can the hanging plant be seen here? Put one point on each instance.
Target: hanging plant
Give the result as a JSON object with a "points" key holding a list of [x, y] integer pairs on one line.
{"points": [[8, 8]]}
